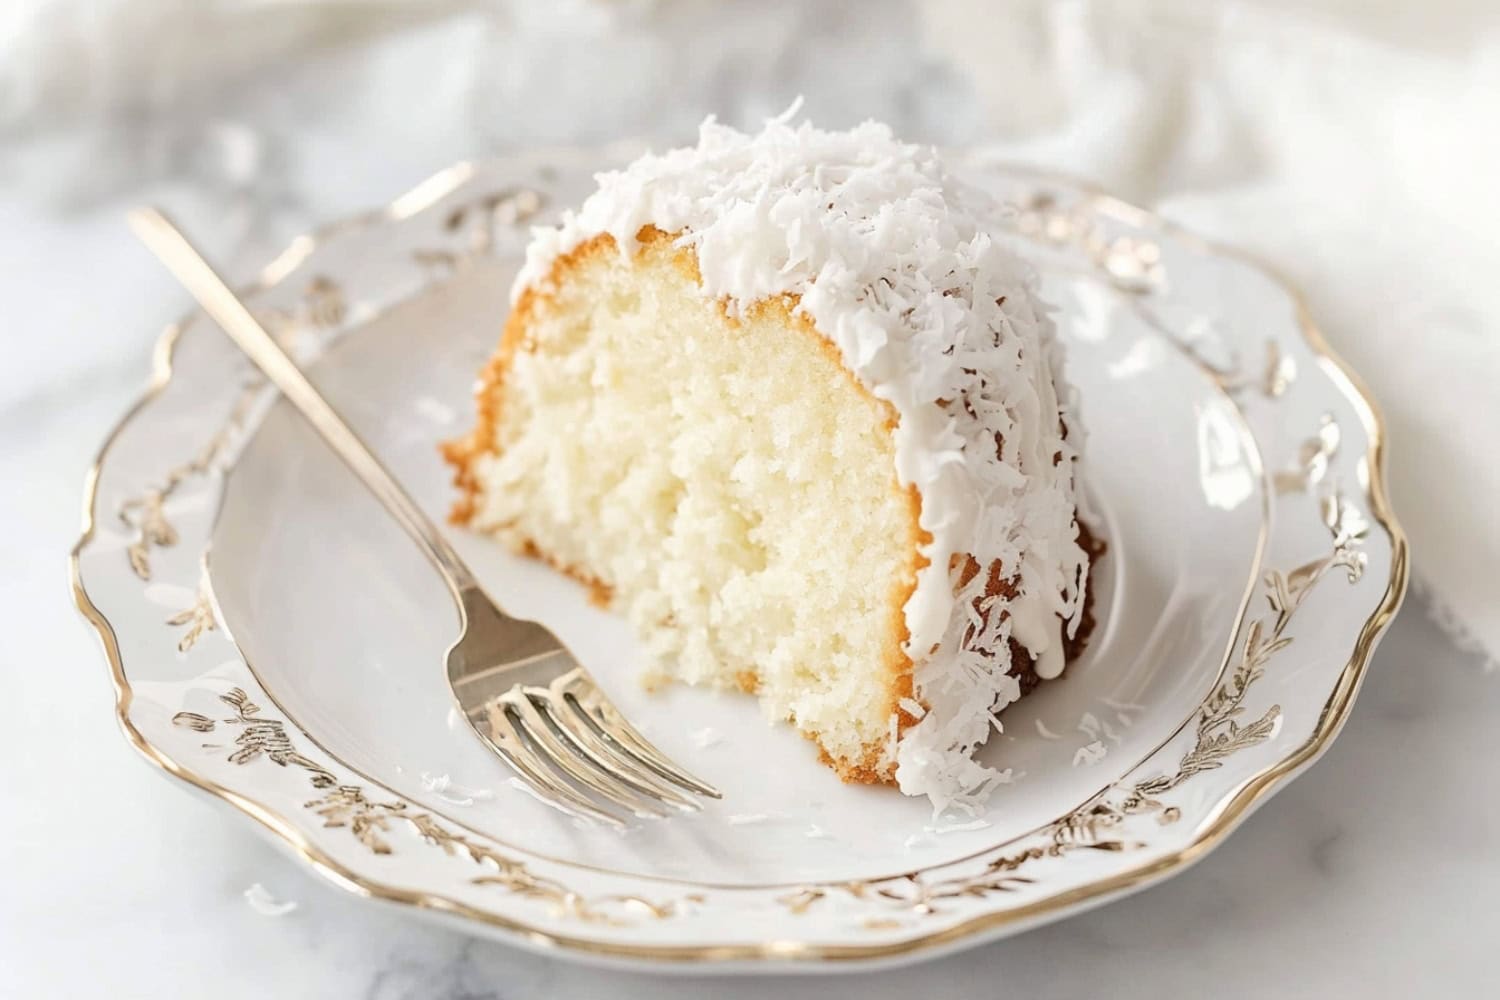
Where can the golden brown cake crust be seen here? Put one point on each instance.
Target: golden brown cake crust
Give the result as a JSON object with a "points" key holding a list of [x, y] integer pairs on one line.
{"points": [[463, 454]]}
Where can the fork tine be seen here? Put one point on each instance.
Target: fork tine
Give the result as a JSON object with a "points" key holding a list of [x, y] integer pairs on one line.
{"points": [[502, 736], [561, 755], [578, 691], [605, 755]]}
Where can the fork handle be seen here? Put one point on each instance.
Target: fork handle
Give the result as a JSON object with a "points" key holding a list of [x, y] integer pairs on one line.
{"points": [[173, 249]]}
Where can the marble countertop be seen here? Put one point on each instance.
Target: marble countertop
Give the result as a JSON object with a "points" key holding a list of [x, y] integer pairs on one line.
{"points": [[1374, 874]]}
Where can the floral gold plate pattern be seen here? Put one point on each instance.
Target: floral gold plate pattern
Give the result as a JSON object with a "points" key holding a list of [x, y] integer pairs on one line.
{"points": [[1234, 465]]}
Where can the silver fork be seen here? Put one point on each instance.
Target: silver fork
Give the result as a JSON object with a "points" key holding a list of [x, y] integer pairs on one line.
{"points": [[521, 690]]}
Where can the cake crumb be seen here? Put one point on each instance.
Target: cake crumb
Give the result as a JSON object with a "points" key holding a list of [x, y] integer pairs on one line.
{"points": [[1089, 725]]}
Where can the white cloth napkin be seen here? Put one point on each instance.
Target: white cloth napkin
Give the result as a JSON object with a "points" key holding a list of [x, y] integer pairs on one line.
{"points": [[66, 60]]}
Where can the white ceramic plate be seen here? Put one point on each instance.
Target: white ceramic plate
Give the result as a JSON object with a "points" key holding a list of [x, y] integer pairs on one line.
{"points": [[276, 642]]}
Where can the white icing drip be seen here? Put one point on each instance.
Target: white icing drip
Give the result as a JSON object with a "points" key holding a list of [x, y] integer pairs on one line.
{"points": [[892, 258], [1036, 627]]}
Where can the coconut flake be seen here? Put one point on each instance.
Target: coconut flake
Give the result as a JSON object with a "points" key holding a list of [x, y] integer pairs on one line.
{"points": [[449, 791], [977, 824], [1044, 732], [262, 902], [706, 737], [1088, 756]]}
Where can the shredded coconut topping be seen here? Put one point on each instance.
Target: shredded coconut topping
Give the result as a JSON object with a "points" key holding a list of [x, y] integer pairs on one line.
{"points": [[894, 261]]}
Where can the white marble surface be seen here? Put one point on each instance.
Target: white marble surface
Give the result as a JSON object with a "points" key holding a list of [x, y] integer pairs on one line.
{"points": [[1375, 874]]}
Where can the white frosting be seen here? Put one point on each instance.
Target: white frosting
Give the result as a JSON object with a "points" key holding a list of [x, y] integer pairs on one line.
{"points": [[1034, 626], [894, 262]]}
